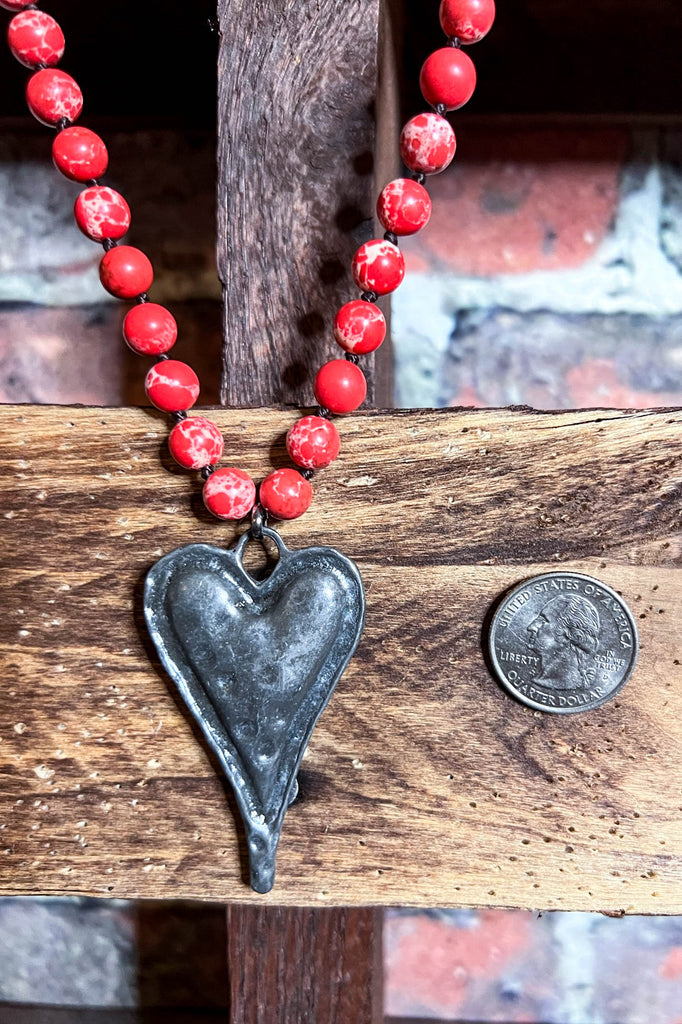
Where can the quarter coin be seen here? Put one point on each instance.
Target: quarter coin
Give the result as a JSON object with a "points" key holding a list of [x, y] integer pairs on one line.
{"points": [[563, 642]]}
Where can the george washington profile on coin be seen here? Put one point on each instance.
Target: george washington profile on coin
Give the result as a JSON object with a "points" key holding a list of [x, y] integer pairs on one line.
{"points": [[563, 642], [565, 634]]}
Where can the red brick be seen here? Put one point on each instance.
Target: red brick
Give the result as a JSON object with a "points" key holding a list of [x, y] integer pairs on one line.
{"points": [[430, 964], [518, 200], [671, 968], [595, 382]]}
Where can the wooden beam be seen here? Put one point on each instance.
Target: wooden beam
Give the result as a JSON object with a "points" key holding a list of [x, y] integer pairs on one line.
{"points": [[300, 93], [424, 783], [297, 86], [315, 966]]}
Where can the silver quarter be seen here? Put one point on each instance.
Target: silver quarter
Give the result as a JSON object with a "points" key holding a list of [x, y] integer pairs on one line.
{"points": [[563, 642]]}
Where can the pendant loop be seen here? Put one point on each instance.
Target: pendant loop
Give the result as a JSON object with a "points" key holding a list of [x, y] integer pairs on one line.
{"points": [[259, 521], [260, 532]]}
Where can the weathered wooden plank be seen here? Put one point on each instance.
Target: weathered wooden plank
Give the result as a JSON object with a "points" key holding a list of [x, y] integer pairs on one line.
{"points": [[388, 165], [313, 965], [295, 198], [424, 784], [296, 191]]}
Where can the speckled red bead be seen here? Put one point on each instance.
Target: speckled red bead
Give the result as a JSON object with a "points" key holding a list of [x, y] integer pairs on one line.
{"points": [[102, 212], [427, 144], [313, 442], [79, 154], [378, 266], [468, 20], [448, 77], [359, 327], [51, 94], [404, 206], [172, 386], [126, 272], [229, 493], [285, 494], [150, 329], [15, 5], [195, 442], [340, 386], [35, 38]]}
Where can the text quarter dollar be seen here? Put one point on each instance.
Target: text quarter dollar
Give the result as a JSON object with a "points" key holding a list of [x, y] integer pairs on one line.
{"points": [[563, 642]]}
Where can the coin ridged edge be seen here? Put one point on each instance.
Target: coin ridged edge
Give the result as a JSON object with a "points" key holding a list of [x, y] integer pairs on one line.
{"points": [[529, 702]]}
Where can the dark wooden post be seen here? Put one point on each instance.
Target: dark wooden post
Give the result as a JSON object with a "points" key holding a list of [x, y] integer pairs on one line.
{"points": [[297, 89], [302, 966], [297, 92]]}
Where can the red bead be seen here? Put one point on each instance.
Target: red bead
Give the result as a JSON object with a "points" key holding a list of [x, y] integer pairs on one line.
{"points": [[448, 77], [313, 442], [340, 386], [126, 272], [404, 206], [150, 329], [378, 266], [102, 212], [285, 494], [195, 442], [359, 327], [469, 20], [35, 38], [172, 386], [52, 94], [15, 5], [80, 154], [427, 144], [229, 493]]}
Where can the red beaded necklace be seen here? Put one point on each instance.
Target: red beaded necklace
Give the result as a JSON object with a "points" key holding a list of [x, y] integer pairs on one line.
{"points": [[183, 587]]}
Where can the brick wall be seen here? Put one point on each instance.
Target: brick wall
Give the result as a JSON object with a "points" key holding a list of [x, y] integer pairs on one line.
{"points": [[551, 273]]}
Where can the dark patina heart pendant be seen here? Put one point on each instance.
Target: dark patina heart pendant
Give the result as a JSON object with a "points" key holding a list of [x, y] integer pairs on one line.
{"points": [[256, 663]]}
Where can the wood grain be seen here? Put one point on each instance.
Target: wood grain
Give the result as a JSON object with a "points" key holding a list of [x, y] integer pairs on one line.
{"points": [[296, 190], [424, 783], [314, 966]]}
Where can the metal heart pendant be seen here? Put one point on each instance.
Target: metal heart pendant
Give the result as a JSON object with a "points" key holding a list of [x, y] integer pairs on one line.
{"points": [[256, 663]]}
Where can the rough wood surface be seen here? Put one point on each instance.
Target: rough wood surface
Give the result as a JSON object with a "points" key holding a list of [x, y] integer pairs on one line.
{"points": [[388, 165], [297, 86], [424, 783], [314, 966]]}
